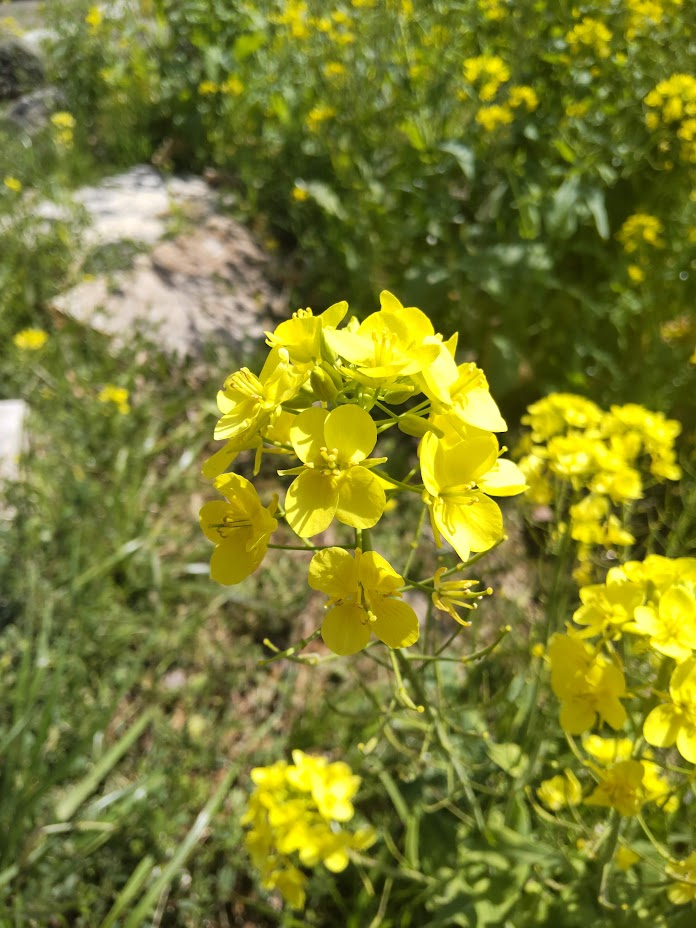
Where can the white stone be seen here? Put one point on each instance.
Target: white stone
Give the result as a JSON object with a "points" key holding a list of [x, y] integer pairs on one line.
{"points": [[12, 417]]}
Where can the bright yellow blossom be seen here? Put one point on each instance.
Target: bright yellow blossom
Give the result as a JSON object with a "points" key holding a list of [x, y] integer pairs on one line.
{"points": [[94, 18], [588, 685], [560, 791], [607, 607], [675, 722], [682, 892], [240, 527], [494, 116], [30, 339], [116, 395], [303, 335], [671, 625], [523, 96], [13, 184], [334, 479], [363, 598], [589, 34], [620, 787]]}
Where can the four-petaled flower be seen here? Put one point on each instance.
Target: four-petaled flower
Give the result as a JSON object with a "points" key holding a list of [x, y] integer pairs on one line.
{"points": [[364, 598], [588, 685], [240, 528], [334, 479]]}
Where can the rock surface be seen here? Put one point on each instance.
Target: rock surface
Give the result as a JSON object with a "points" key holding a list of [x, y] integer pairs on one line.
{"points": [[21, 69], [209, 282], [12, 417]]}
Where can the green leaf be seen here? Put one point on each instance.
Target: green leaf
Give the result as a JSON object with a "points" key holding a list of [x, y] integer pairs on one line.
{"points": [[507, 756], [464, 155], [246, 45], [597, 206], [325, 197]]}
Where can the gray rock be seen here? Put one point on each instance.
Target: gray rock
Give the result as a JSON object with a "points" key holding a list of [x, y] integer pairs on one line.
{"points": [[32, 111], [21, 70], [12, 417], [207, 283]]}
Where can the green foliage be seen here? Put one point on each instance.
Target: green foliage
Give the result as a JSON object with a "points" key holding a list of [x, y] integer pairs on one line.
{"points": [[357, 139]]}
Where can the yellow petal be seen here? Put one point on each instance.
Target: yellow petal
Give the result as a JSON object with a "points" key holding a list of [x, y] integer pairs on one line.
{"points": [[307, 433], [686, 743], [310, 503], [480, 409], [471, 523], [577, 715], [361, 499], [346, 629], [396, 624], [213, 514], [377, 575], [503, 479], [662, 726], [352, 432], [333, 571], [231, 562]]}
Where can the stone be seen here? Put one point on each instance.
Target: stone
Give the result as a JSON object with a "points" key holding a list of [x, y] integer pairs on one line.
{"points": [[32, 111], [21, 69], [13, 415], [207, 283]]}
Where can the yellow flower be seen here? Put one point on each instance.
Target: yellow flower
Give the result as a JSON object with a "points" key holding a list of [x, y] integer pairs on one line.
{"points": [[63, 123], [449, 595], [625, 858], [206, 88], [636, 273], [588, 685], [523, 96], [94, 18], [639, 229], [233, 87], [303, 335], [607, 607], [620, 787], [334, 479], [249, 403], [560, 791], [492, 117], [395, 342], [671, 625], [491, 70], [608, 750], [462, 514], [334, 69], [116, 395], [12, 183], [461, 399], [30, 339], [240, 528], [675, 722], [681, 892], [364, 598], [589, 34], [317, 115], [295, 815]]}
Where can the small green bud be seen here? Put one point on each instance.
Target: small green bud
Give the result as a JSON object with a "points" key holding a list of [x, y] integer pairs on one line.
{"points": [[413, 425], [323, 386]]}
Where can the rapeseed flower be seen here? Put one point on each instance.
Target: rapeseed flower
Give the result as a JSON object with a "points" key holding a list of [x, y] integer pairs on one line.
{"points": [[590, 35], [240, 527], [589, 686], [450, 595], [117, 395], [494, 116], [560, 791], [683, 872], [608, 607], [457, 479], [671, 624], [302, 336], [620, 787], [675, 722], [335, 478], [30, 339], [13, 184], [364, 598]]}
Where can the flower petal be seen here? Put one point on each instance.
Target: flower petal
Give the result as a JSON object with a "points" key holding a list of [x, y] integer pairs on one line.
{"points": [[352, 432], [346, 629], [307, 433], [361, 499], [396, 624], [231, 562], [333, 571], [686, 743], [503, 479], [310, 503], [471, 523], [662, 726]]}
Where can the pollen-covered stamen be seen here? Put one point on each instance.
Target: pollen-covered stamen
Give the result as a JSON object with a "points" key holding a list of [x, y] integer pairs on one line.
{"points": [[302, 313], [470, 380], [330, 458], [229, 524], [246, 383]]}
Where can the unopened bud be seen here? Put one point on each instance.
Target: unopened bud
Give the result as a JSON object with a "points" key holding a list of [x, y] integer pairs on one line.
{"points": [[413, 425], [323, 386]]}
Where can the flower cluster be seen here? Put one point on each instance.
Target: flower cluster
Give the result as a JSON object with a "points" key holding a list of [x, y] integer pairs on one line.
{"points": [[63, 129], [296, 815], [589, 35], [323, 397], [117, 396], [597, 460], [672, 106], [643, 622]]}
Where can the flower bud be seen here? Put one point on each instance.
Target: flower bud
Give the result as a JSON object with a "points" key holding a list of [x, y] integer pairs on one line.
{"points": [[323, 386]]}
